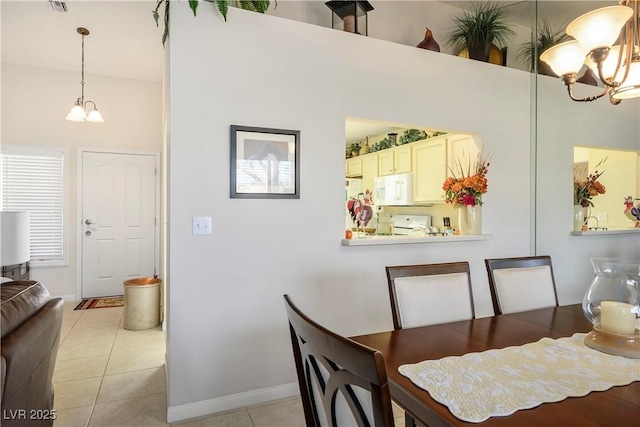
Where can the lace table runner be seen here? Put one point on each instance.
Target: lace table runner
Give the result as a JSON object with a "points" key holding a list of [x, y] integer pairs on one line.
{"points": [[477, 386]]}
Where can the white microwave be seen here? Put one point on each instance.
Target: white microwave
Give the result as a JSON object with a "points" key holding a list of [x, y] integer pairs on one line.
{"points": [[393, 190]]}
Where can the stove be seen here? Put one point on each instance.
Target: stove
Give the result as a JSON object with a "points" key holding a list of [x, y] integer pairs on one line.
{"points": [[411, 225]]}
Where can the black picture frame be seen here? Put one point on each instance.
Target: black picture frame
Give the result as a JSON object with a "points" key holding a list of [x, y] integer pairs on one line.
{"points": [[265, 163]]}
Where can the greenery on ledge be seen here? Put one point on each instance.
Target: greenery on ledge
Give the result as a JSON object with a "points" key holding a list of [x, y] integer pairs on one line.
{"points": [[259, 6], [407, 137]]}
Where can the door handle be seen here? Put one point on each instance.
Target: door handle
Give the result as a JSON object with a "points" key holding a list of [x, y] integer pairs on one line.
{"points": [[88, 222]]}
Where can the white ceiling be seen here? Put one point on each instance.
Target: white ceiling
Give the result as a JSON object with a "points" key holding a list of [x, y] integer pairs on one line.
{"points": [[124, 40]]}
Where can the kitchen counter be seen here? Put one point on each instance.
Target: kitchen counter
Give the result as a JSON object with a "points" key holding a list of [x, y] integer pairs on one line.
{"points": [[403, 240], [605, 232]]}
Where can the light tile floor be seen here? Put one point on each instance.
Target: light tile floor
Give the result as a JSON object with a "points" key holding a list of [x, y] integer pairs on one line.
{"points": [[108, 376]]}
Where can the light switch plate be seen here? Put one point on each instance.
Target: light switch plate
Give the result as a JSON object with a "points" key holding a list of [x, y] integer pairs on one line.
{"points": [[201, 225]]}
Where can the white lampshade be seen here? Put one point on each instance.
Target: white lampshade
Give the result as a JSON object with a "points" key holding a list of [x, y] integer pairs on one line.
{"points": [[608, 66], [564, 58], [600, 27], [630, 88], [76, 114], [95, 116], [16, 243]]}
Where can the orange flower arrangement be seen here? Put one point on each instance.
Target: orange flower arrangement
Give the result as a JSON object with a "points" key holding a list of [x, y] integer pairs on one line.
{"points": [[466, 187], [585, 190]]}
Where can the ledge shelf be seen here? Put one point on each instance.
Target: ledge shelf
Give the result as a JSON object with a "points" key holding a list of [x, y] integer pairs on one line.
{"points": [[404, 240], [606, 232]]}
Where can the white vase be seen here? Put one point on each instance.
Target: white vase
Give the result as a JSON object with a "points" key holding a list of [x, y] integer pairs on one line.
{"points": [[470, 219], [578, 217]]}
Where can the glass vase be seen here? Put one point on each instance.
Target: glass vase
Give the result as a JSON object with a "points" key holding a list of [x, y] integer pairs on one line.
{"points": [[578, 217], [470, 219], [612, 305]]}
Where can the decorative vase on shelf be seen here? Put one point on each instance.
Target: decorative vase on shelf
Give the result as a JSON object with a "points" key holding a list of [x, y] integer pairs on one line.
{"points": [[365, 149], [470, 219], [578, 218], [429, 42]]}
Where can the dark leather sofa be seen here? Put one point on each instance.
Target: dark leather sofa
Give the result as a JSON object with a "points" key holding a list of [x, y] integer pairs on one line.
{"points": [[31, 323]]}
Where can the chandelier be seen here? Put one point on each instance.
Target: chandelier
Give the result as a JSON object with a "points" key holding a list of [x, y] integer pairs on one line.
{"points": [[617, 66], [79, 111]]}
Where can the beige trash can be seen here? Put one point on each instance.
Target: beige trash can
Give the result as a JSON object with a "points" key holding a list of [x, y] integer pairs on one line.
{"points": [[142, 303]]}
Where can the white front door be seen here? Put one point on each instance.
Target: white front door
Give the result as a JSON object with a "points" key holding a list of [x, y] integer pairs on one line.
{"points": [[118, 221]]}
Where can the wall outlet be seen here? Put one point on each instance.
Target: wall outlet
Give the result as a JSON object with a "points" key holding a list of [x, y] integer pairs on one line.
{"points": [[602, 216], [201, 225]]}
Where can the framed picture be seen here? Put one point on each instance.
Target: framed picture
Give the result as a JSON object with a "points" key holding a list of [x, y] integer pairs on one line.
{"points": [[265, 163]]}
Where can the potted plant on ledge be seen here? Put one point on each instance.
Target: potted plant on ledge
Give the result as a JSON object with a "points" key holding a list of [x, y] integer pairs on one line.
{"points": [[259, 6], [478, 30]]}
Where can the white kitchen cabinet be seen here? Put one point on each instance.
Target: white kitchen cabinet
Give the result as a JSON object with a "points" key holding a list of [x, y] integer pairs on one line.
{"points": [[461, 149], [370, 164], [402, 159], [354, 167], [395, 160], [429, 158]]}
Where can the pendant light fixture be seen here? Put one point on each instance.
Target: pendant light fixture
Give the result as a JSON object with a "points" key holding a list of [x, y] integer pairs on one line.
{"points": [[79, 111], [595, 32]]}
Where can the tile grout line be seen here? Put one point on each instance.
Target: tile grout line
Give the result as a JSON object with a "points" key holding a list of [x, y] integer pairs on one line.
{"points": [[93, 407]]}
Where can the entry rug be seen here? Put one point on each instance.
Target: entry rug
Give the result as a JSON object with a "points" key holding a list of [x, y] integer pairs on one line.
{"points": [[477, 386], [117, 301]]}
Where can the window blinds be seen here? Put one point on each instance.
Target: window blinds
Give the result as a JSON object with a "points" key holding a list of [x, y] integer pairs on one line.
{"points": [[34, 182]]}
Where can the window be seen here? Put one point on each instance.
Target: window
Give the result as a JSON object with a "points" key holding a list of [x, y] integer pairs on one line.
{"points": [[34, 181]]}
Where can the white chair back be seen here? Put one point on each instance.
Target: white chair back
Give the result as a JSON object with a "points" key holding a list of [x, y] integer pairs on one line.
{"points": [[521, 284], [524, 289], [429, 300], [430, 294]]}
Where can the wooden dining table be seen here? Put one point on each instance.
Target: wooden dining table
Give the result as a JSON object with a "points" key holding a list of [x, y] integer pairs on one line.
{"points": [[617, 406]]}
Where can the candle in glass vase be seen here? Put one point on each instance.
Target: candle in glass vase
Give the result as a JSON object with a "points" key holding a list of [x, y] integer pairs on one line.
{"points": [[617, 317]]}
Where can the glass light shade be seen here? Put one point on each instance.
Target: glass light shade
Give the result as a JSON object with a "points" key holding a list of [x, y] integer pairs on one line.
{"points": [[612, 301], [76, 114], [630, 88], [600, 27], [95, 116], [608, 66], [564, 58]]}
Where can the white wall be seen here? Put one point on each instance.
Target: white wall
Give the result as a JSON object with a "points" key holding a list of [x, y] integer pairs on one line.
{"points": [[228, 336], [35, 102]]}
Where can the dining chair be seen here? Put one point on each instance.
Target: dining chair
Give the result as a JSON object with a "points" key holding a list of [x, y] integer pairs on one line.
{"points": [[521, 283], [429, 294], [342, 382]]}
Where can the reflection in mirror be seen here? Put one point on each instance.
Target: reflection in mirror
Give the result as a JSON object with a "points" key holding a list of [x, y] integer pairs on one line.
{"points": [[610, 184]]}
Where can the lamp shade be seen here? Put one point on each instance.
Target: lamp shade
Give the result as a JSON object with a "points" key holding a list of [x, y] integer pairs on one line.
{"points": [[609, 64], [600, 27], [95, 116], [16, 243], [564, 58], [76, 114], [630, 88]]}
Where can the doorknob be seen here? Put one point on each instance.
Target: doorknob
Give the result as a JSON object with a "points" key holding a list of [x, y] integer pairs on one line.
{"points": [[88, 222]]}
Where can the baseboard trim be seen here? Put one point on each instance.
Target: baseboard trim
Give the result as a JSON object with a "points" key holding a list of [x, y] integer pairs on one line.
{"points": [[68, 298], [234, 401]]}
